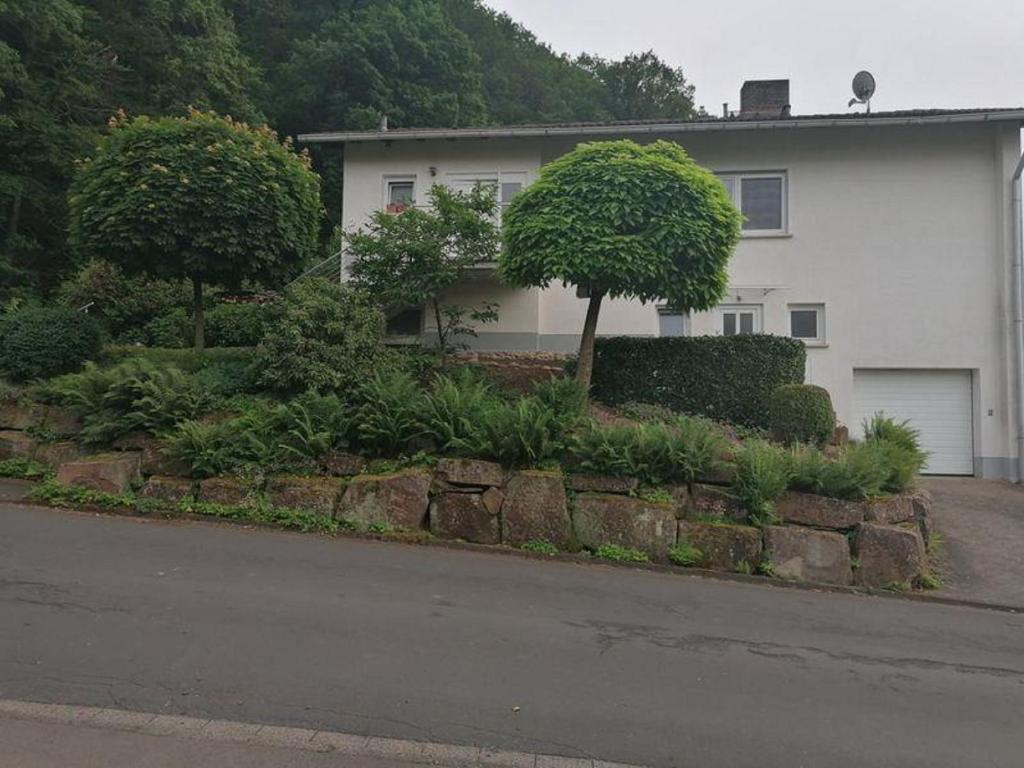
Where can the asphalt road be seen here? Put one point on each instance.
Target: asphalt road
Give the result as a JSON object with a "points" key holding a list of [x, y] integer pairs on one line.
{"points": [[470, 648]]}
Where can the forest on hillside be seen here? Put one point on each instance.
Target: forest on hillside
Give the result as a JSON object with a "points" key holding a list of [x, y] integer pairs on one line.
{"points": [[67, 66]]}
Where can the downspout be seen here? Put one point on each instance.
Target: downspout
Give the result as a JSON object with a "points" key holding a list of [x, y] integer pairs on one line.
{"points": [[1018, 307]]}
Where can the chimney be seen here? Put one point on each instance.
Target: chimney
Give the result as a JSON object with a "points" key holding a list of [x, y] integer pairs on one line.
{"points": [[764, 98]]}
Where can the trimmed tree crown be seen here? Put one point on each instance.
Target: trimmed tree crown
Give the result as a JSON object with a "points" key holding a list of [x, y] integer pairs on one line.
{"points": [[200, 196], [624, 220]]}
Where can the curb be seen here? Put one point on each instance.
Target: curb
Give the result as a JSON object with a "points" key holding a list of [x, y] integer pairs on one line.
{"points": [[425, 540], [302, 739]]}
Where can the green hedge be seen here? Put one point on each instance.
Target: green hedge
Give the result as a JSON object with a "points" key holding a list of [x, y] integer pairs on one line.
{"points": [[39, 342], [801, 413], [187, 360], [729, 378]]}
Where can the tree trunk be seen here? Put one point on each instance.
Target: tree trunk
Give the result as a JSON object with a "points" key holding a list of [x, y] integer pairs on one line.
{"points": [[440, 329], [585, 361], [197, 308], [15, 218]]}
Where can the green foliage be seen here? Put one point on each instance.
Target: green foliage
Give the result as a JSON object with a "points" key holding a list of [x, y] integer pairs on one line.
{"points": [[187, 360], [207, 448], [801, 413], [727, 378], [39, 342], [408, 259], [60, 495], [684, 553], [238, 325], [525, 433], [655, 452], [621, 554], [565, 397], [762, 474], [323, 336], [642, 87], [197, 197], [389, 418], [262, 513], [453, 410], [881, 427], [23, 468], [540, 546], [625, 220]]}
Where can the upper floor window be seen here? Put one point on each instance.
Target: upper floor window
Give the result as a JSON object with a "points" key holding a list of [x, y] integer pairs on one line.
{"points": [[506, 184], [399, 193], [739, 319], [761, 198]]}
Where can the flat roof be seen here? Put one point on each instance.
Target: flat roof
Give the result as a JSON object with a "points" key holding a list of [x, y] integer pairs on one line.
{"points": [[707, 123]]}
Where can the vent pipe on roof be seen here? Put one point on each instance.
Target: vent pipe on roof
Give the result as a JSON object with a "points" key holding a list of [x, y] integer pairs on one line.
{"points": [[1018, 307]]}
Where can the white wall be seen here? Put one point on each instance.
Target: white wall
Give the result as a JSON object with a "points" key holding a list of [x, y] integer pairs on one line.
{"points": [[901, 232]]}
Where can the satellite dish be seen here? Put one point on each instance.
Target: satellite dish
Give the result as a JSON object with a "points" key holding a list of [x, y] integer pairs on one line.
{"points": [[863, 89]]}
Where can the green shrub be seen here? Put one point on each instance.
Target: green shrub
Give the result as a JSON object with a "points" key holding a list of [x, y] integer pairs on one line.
{"points": [[654, 452], [881, 427], [902, 464], [621, 554], [801, 413], [170, 329], [858, 472], [228, 378], [187, 360], [323, 336], [525, 433], [727, 378], [453, 410], [684, 553], [565, 397], [763, 473], [40, 342], [390, 413], [540, 546], [23, 468], [208, 449], [237, 325]]}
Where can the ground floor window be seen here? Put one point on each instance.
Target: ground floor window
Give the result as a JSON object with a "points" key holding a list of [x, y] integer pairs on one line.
{"points": [[672, 322], [739, 319], [807, 322]]}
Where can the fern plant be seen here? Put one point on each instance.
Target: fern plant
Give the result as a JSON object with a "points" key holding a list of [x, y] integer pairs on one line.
{"points": [[454, 409], [389, 416], [207, 449]]}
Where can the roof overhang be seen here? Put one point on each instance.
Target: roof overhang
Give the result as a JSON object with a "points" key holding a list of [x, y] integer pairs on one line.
{"points": [[633, 129]]}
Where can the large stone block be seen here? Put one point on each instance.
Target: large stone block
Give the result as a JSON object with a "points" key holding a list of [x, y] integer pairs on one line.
{"points": [[889, 510], [109, 472], [55, 454], [229, 491], [723, 547], [54, 419], [472, 472], [818, 511], [170, 490], [922, 501], [467, 516], [152, 454], [399, 500], [808, 555], [16, 445], [535, 509], [888, 556], [311, 494], [343, 464], [600, 518], [16, 415], [602, 484], [708, 501]]}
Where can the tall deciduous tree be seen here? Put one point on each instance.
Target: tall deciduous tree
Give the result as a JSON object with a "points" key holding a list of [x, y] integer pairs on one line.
{"points": [[622, 220], [410, 258], [642, 87], [197, 197]]}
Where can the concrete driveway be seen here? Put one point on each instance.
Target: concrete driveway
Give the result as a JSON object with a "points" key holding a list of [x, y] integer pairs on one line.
{"points": [[981, 523]]}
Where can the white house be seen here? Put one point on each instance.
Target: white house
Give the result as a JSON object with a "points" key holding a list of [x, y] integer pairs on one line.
{"points": [[885, 241]]}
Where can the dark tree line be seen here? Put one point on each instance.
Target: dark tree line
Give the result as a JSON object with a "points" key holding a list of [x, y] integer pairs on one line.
{"points": [[66, 66]]}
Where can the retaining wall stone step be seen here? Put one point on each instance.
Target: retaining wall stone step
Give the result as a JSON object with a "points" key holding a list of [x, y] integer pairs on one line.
{"points": [[311, 494], [711, 501], [723, 547], [601, 518], [230, 491], [808, 555], [108, 472], [399, 500], [472, 472], [819, 511], [168, 489], [889, 555], [535, 509], [468, 516]]}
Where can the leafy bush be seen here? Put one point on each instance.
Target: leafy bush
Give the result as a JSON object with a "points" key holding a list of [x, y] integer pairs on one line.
{"points": [[684, 553], [323, 336], [208, 449], [454, 409], [170, 329], [801, 413], [727, 378], [540, 546], [881, 427], [565, 397], [654, 452], [621, 554], [520, 434], [390, 413], [228, 378], [858, 472], [23, 468], [237, 325], [763, 472], [187, 360], [40, 342]]}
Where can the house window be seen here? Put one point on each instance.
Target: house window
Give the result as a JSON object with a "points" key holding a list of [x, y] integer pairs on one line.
{"points": [[761, 198], [672, 322], [506, 185], [739, 319], [407, 322], [400, 194], [807, 322]]}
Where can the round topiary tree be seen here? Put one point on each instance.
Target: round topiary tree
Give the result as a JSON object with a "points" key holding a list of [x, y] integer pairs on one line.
{"points": [[618, 219], [801, 413], [40, 342], [199, 197]]}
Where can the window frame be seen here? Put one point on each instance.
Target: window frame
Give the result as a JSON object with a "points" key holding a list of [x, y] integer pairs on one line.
{"points": [[663, 311], [737, 178], [756, 309], [492, 178], [398, 178], [821, 340]]}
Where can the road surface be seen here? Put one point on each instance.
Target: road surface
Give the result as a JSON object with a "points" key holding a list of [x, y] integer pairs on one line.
{"points": [[469, 648]]}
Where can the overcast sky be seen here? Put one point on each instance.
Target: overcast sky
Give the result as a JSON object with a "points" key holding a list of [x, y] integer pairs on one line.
{"points": [[923, 53]]}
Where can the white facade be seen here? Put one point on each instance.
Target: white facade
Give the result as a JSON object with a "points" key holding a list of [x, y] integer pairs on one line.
{"points": [[897, 238]]}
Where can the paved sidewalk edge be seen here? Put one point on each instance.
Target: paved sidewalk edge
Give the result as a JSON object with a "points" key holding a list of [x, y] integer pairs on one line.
{"points": [[416, 752]]}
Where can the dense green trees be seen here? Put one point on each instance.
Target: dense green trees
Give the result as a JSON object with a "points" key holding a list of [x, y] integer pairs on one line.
{"points": [[67, 65]]}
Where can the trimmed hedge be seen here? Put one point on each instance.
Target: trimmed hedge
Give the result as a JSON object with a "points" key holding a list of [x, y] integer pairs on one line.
{"points": [[40, 342], [187, 360], [801, 413], [728, 378]]}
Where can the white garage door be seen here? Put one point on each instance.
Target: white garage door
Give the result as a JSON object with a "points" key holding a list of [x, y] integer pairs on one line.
{"points": [[937, 403]]}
